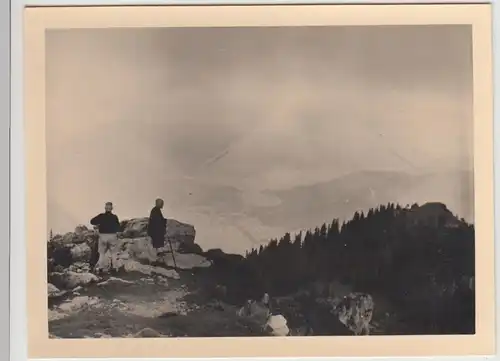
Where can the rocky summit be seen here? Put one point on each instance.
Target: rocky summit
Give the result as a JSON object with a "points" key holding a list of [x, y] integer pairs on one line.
{"points": [[150, 297]]}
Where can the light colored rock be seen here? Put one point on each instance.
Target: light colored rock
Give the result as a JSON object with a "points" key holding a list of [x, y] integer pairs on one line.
{"points": [[53, 291], [136, 227], [78, 303], [259, 313], [70, 280], [78, 237], [183, 232], [134, 266], [69, 238], [81, 252], [80, 230], [180, 231], [72, 306], [101, 335], [186, 261], [76, 247], [139, 249], [114, 281], [277, 325]]}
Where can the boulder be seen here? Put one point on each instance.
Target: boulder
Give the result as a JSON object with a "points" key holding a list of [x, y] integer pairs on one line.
{"points": [[81, 252], [70, 280], [276, 325], [80, 230], [136, 227], [258, 313], [53, 291], [139, 249], [69, 238], [176, 231], [183, 232], [129, 265], [81, 245], [72, 247], [81, 235], [291, 308]]}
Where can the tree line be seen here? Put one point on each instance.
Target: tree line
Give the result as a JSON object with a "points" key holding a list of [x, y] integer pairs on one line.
{"points": [[422, 271]]}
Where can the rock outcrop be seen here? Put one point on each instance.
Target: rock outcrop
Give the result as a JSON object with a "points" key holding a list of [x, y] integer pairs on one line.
{"points": [[71, 256], [53, 291], [354, 311], [176, 231], [80, 246], [276, 325]]}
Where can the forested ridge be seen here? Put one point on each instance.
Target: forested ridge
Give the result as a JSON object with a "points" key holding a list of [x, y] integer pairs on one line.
{"points": [[415, 263], [423, 266]]}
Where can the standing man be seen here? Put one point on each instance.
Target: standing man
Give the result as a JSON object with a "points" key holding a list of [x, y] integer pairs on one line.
{"points": [[157, 226], [108, 226]]}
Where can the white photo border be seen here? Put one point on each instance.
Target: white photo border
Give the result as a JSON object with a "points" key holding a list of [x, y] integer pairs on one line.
{"points": [[14, 112]]}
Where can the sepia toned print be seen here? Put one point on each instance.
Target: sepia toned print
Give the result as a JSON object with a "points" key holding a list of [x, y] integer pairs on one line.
{"points": [[194, 115], [261, 182]]}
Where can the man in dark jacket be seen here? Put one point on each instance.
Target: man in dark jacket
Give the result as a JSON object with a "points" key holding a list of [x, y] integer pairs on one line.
{"points": [[157, 225], [108, 226]]}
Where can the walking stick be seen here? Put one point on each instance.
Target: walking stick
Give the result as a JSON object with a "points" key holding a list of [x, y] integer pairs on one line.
{"points": [[172, 251]]}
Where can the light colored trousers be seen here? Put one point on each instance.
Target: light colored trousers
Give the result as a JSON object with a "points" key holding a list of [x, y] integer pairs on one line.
{"points": [[108, 248]]}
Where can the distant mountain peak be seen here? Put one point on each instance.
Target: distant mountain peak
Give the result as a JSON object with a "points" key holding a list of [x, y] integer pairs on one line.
{"points": [[433, 213]]}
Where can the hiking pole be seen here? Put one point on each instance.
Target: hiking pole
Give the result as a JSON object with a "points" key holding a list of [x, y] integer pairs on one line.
{"points": [[172, 251]]}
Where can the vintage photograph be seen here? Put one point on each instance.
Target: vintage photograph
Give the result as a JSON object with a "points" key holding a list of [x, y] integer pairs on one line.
{"points": [[260, 181]]}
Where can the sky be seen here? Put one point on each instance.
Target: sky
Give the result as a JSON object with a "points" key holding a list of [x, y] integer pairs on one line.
{"points": [[228, 124]]}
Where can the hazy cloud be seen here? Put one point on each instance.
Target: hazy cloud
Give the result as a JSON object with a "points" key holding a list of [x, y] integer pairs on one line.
{"points": [[225, 114]]}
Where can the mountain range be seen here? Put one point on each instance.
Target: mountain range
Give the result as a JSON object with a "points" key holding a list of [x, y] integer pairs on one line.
{"points": [[235, 219]]}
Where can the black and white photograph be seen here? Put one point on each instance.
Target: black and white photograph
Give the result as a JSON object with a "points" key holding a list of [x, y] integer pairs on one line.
{"points": [[260, 181]]}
